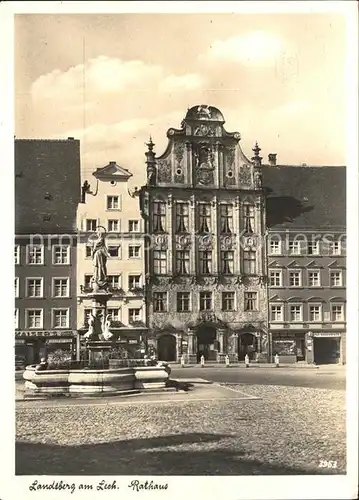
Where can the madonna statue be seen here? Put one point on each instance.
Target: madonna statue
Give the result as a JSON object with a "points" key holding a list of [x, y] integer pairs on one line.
{"points": [[99, 259]]}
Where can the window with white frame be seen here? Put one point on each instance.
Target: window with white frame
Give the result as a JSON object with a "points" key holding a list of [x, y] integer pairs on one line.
{"points": [[60, 318], [113, 225], [313, 278], [296, 312], [295, 278], [34, 287], [275, 277], [114, 280], [113, 203], [61, 254], [276, 312], [336, 278], [114, 313], [160, 301], [315, 312], [134, 281], [294, 247], [133, 251], [91, 224], [337, 312], [134, 314], [34, 318], [16, 287], [159, 261], [274, 247], [35, 254], [133, 226], [60, 287], [114, 251], [16, 318], [313, 247], [17, 254], [334, 248]]}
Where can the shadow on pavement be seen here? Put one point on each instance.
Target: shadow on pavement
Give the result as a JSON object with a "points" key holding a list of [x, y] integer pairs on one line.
{"points": [[151, 456]]}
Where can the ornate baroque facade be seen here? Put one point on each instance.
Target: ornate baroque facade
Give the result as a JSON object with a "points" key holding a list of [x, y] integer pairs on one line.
{"points": [[204, 210]]}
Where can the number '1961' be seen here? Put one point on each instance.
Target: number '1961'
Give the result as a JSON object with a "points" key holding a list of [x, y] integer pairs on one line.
{"points": [[329, 464]]}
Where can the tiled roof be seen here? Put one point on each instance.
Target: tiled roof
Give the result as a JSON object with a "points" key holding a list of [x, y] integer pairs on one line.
{"points": [[305, 197], [47, 185]]}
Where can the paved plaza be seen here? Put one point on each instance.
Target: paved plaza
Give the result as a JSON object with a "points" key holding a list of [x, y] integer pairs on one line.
{"points": [[220, 428]]}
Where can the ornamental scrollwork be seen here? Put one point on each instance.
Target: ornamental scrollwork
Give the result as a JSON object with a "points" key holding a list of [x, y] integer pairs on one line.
{"points": [[183, 241], [163, 171]]}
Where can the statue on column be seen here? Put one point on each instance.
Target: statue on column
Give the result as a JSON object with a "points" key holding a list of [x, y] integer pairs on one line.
{"points": [[99, 258]]}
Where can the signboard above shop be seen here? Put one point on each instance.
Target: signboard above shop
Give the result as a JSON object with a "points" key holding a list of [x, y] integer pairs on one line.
{"points": [[44, 333], [326, 334]]}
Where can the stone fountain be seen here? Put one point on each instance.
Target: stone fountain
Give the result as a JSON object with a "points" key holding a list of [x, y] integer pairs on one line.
{"points": [[99, 338]]}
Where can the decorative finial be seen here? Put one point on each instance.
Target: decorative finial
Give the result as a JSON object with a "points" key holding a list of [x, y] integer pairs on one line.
{"points": [[150, 144], [256, 149]]}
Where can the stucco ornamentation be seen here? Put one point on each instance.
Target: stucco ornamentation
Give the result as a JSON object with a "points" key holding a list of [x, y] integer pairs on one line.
{"points": [[163, 170]]}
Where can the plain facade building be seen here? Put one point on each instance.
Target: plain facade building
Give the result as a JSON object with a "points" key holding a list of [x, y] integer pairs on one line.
{"points": [[306, 219], [107, 204], [47, 192]]}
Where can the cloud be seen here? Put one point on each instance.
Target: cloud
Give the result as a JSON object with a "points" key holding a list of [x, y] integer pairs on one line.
{"points": [[259, 48], [105, 75], [185, 82]]}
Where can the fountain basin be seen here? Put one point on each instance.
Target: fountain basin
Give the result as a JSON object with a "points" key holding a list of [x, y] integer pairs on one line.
{"points": [[94, 382]]}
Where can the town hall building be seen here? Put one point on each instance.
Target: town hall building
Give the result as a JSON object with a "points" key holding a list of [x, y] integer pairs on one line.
{"points": [[204, 212]]}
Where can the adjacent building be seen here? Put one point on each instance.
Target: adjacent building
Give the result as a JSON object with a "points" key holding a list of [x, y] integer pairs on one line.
{"points": [[306, 221], [47, 192], [108, 204], [204, 213]]}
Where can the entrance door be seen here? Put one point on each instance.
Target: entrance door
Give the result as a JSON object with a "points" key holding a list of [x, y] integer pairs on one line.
{"points": [[206, 343], [246, 345], [326, 350], [167, 348]]}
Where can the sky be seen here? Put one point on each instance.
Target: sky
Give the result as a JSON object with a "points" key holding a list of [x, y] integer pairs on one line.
{"points": [[112, 80]]}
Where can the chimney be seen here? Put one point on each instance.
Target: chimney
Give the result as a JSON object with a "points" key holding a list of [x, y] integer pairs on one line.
{"points": [[272, 159], [70, 138], [112, 163]]}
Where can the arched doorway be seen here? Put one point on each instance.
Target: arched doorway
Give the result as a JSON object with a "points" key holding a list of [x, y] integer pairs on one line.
{"points": [[207, 342], [247, 344], [167, 348]]}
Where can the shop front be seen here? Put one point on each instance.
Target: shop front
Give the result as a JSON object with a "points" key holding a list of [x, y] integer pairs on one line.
{"points": [[31, 346], [328, 348], [289, 346]]}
